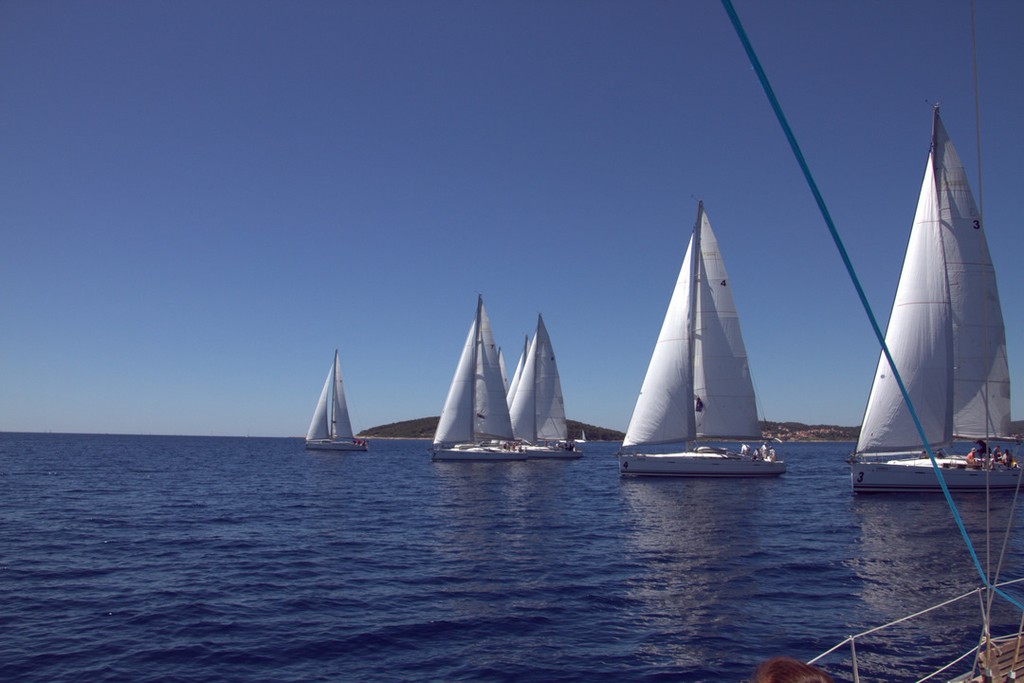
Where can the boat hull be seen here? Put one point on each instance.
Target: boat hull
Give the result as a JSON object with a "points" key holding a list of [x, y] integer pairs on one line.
{"points": [[696, 465], [476, 454], [902, 476], [327, 445], [553, 453]]}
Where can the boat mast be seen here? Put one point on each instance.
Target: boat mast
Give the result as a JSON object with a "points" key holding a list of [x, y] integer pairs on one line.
{"points": [[691, 322], [477, 343], [334, 400], [536, 376], [937, 175]]}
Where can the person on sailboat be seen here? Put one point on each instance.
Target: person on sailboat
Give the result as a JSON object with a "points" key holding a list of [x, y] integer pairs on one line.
{"points": [[744, 449]]}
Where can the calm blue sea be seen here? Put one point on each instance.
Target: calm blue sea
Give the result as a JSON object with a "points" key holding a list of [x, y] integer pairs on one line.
{"points": [[144, 558]]}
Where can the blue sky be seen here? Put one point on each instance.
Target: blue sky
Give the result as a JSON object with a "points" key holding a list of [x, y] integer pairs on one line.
{"points": [[200, 201]]}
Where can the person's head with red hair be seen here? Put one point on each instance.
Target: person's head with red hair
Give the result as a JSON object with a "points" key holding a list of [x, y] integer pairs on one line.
{"points": [[788, 670]]}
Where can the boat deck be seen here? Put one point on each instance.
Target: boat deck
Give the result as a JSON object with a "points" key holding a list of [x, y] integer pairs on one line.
{"points": [[1002, 661]]}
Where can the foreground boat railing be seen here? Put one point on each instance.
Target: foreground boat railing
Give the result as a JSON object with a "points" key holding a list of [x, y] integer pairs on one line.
{"points": [[852, 640]]}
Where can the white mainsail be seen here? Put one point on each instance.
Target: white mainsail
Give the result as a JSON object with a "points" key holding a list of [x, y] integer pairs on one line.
{"points": [[945, 332], [538, 410], [475, 407], [664, 409], [698, 381], [319, 427]]}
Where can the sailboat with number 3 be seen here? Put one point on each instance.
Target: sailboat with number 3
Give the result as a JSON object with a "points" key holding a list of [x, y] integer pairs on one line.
{"points": [[947, 340]]}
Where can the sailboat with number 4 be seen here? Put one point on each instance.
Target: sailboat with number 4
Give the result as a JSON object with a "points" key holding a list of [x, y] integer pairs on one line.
{"points": [[698, 383]]}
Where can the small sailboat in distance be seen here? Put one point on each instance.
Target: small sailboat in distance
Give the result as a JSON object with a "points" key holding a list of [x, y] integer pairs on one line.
{"points": [[698, 384], [331, 429]]}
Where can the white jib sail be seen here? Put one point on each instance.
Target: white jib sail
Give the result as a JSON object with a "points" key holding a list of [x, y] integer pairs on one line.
{"points": [[664, 408], [319, 427], [517, 376], [456, 422], [920, 339]]}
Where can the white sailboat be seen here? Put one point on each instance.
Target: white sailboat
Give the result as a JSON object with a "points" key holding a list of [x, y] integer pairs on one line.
{"points": [[331, 429], [946, 337], [475, 422], [537, 410], [583, 437], [698, 384]]}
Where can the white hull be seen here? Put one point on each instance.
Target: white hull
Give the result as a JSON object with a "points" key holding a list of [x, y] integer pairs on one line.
{"points": [[917, 475], [553, 453], [476, 454], [697, 465], [328, 445]]}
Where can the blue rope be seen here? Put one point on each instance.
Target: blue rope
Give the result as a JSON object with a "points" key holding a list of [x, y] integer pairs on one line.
{"points": [[777, 108]]}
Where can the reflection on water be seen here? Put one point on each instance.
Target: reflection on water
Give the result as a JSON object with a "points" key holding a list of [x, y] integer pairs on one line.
{"points": [[386, 565], [516, 548], [913, 557], [697, 551]]}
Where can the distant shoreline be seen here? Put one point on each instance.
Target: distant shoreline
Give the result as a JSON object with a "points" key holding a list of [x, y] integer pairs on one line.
{"points": [[425, 427]]}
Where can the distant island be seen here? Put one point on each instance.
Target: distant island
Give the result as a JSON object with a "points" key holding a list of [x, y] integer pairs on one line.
{"points": [[424, 428]]}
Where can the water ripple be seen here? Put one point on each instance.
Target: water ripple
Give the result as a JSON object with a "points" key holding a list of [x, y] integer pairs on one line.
{"points": [[184, 559]]}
